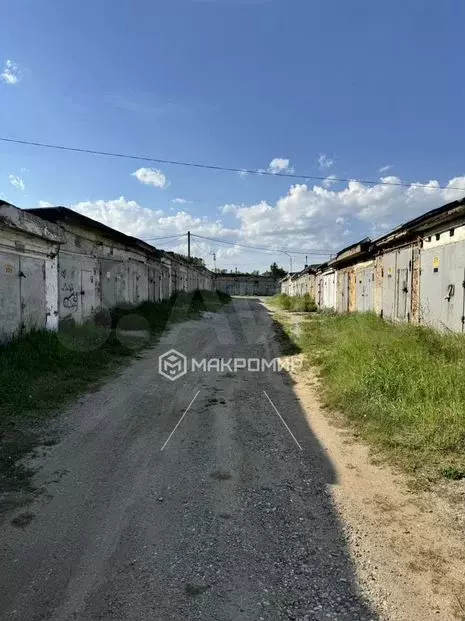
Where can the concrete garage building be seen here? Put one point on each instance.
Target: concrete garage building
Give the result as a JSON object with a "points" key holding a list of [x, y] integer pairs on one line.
{"points": [[99, 267], [28, 271], [246, 284], [421, 269], [414, 273], [355, 278]]}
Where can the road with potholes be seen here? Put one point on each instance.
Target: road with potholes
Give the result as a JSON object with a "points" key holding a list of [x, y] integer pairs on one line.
{"points": [[219, 512]]}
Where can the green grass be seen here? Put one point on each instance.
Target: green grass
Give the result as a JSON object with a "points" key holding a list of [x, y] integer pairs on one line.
{"points": [[304, 303], [42, 371], [402, 386]]}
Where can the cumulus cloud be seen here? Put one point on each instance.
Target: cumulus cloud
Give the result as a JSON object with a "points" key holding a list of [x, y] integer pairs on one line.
{"points": [[16, 182], [44, 204], [151, 176], [325, 162], [280, 165], [314, 218], [11, 73], [133, 219], [180, 201]]}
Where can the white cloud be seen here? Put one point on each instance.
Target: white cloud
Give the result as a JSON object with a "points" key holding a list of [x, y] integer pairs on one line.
{"points": [[280, 165], [11, 73], [44, 204], [385, 168], [305, 218], [133, 219], [243, 173], [324, 161], [16, 182], [151, 176]]}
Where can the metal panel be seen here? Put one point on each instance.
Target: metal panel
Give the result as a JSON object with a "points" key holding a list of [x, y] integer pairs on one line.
{"points": [[403, 284], [369, 289], [88, 293], [343, 291], [69, 284], [112, 280], [329, 290], [32, 287], [389, 285], [364, 289], [442, 280], [360, 290], [10, 309], [165, 282]]}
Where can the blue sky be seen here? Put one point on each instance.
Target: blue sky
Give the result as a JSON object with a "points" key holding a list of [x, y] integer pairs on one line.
{"points": [[235, 83]]}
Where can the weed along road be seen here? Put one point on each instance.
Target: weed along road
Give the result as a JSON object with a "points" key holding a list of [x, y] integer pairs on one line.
{"points": [[204, 497]]}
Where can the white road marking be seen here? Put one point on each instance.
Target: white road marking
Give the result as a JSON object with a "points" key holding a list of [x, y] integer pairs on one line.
{"points": [[282, 420], [180, 420]]}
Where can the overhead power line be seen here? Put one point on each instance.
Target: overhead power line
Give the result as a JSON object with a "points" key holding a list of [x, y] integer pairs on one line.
{"points": [[157, 160], [314, 251], [164, 238]]}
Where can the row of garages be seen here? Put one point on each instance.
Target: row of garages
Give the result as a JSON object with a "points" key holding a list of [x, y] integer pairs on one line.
{"points": [[57, 264], [415, 273]]}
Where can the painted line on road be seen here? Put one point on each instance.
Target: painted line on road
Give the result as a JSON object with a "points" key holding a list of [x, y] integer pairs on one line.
{"points": [[180, 420], [282, 419]]}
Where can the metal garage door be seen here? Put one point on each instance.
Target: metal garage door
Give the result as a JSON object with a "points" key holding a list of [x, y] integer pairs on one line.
{"points": [[397, 275], [32, 286], [10, 305], [442, 277]]}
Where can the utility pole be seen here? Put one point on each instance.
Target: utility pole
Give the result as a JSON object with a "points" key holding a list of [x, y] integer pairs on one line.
{"points": [[214, 259], [290, 259], [188, 244]]}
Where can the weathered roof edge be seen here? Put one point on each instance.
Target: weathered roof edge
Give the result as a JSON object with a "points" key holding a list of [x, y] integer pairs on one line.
{"points": [[427, 220], [64, 214], [362, 248], [29, 223]]}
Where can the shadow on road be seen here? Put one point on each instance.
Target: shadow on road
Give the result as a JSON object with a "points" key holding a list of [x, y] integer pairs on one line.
{"points": [[233, 520]]}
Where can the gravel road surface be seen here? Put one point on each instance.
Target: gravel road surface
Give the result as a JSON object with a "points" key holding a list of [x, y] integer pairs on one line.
{"points": [[232, 520]]}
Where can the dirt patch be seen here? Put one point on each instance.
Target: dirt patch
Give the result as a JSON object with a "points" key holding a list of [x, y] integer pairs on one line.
{"points": [[408, 545]]}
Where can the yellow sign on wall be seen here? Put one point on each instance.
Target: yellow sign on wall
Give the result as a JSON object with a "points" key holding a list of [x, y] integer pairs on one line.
{"points": [[436, 263]]}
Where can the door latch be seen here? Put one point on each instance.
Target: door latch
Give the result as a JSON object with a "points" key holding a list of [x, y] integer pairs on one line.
{"points": [[450, 292]]}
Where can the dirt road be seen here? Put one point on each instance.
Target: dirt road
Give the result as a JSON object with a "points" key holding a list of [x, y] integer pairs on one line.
{"points": [[232, 520]]}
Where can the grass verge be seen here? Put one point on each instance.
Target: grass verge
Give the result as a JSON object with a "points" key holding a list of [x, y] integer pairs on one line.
{"points": [[402, 386], [41, 371], [304, 303]]}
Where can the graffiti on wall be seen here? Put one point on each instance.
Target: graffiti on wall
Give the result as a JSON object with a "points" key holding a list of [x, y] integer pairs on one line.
{"points": [[70, 298]]}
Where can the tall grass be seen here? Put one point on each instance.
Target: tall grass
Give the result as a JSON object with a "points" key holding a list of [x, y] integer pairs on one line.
{"points": [[303, 303], [403, 386], [41, 371]]}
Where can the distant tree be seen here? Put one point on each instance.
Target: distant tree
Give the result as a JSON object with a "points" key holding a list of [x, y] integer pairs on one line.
{"points": [[275, 271]]}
